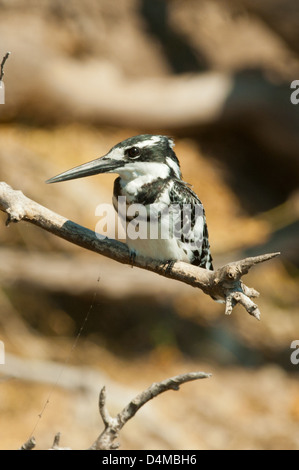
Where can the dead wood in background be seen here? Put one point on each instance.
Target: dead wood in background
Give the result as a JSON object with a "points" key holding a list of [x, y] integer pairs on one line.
{"points": [[113, 426], [2, 65], [87, 381]]}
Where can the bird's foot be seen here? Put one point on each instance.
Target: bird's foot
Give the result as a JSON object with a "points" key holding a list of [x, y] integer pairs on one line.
{"points": [[168, 265], [133, 255]]}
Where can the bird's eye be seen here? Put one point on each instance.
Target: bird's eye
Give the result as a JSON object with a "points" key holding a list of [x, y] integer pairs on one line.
{"points": [[134, 152]]}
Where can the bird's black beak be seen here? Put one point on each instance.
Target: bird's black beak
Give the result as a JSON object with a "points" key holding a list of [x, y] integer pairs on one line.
{"points": [[100, 165]]}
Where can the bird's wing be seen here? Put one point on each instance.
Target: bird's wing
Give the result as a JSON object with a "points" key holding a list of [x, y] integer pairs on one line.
{"points": [[190, 224]]}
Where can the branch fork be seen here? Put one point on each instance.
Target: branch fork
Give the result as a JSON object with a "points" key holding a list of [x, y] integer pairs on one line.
{"points": [[224, 284], [113, 426]]}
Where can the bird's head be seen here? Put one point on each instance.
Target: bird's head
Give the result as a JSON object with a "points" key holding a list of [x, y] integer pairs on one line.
{"points": [[134, 157]]}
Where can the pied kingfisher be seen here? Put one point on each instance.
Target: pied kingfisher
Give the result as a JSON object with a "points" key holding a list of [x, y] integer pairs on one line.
{"points": [[149, 175]]}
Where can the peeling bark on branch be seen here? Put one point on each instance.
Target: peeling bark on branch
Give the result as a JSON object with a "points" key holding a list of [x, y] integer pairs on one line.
{"points": [[224, 283]]}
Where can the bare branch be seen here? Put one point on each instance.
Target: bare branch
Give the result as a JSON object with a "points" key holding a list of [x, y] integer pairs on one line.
{"points": [[113, 426], [106, 440], [102, 407], [56, 443], [224, 284], [2, 65], [29, 444], [235, 297]]}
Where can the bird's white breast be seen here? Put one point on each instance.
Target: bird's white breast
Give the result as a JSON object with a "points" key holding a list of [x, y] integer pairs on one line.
{"points": [[137, 174]]}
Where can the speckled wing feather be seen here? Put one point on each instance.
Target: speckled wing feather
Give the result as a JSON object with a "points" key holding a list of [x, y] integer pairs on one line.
{"points": [[190, 224]]}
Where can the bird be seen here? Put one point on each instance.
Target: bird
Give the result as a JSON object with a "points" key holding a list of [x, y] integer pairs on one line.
{"points": [[150, 181]]}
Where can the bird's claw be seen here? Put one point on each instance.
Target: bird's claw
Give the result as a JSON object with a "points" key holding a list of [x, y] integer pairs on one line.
{"points": [[169, 265], [133, 255]]}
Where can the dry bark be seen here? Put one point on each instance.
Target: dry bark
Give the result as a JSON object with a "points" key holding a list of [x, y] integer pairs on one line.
{"points": [[113, 426], [225, 283]]}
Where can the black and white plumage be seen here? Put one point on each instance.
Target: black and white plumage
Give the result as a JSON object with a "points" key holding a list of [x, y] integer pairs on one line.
{"points": [[149, 175]]}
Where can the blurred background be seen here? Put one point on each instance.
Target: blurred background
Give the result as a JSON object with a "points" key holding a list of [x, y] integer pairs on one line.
{"points": [[216, 76]]}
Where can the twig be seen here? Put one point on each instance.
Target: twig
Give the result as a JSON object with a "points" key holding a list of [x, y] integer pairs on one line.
{"points": [[223, 284], [2, 65], [113, 426], [56, 443], [28, 445], [85, 380]]}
